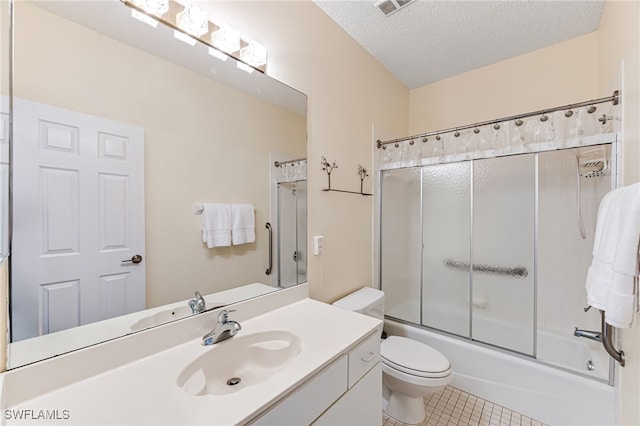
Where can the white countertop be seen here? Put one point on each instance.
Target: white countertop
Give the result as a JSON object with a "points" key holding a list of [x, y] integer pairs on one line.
{"points": [[146, 391]]}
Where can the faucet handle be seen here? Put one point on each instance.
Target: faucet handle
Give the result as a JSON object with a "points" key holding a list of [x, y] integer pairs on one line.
{"points": [[223, 315]]}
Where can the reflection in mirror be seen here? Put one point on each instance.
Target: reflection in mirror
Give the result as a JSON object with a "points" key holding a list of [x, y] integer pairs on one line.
{"points": [[290, 194], [5, 86], [292, 243], [119, 130]]}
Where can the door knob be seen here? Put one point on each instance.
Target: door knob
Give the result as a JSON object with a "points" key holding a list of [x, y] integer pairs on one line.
{"points": [[136, 258]]}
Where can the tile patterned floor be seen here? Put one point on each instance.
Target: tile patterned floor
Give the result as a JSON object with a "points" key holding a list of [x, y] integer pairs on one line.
{"points": [[452, 406]]}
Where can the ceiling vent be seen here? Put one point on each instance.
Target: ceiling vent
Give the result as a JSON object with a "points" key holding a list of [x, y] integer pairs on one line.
{"points": [[390, 6]]}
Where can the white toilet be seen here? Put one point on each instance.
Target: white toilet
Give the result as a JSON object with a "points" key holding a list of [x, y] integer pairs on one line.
{"points": [[410, 369]]}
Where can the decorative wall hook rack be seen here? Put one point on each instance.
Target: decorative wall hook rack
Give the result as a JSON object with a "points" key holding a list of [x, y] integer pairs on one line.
{"points": [[329, 167]]}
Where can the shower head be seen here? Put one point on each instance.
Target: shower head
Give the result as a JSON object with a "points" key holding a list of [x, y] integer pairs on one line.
{"points": [[592, 161]]}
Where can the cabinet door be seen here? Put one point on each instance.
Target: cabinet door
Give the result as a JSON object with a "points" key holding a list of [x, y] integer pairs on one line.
{"points": [[361, 406], [308, 401]]}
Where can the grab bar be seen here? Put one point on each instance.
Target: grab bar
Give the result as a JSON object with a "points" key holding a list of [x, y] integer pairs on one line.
{"points": [[268, 226], [607, 335], [516, 271]]}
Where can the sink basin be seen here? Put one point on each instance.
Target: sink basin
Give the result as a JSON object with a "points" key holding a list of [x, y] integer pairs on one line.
{"points": [[240, 362], [161, 317]]}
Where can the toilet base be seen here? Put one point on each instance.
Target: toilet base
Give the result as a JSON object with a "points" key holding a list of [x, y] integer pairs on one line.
{"points": [[406, 409]]}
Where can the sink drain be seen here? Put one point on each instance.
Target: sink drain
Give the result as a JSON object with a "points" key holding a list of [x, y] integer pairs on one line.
{"points": [[233, 381]]}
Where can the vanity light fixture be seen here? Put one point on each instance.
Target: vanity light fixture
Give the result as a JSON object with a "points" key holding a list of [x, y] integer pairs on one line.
{"points": [[226, 39], [191, 23]]}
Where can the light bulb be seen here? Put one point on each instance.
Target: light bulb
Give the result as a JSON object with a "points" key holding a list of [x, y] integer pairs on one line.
{"points": [[226, 39], [193, 20], [154, 7], [254, 54]]}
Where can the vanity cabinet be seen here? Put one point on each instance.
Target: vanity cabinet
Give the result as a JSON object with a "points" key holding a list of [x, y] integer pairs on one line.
{"points": [[333, 379], [348, 391]]}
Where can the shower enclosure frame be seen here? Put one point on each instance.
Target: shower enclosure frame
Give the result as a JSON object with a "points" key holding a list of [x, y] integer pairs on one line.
{"points": [[613, 141]]}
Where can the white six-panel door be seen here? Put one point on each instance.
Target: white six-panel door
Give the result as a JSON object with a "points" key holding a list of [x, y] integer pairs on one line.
{"points": [[78, 216]]}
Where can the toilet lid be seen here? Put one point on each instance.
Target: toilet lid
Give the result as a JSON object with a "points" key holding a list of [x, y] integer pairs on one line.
{"points": [[413, 357]]}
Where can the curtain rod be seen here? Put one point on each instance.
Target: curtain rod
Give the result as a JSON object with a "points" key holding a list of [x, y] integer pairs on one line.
{"points": [[615, 99], [282, 163]]}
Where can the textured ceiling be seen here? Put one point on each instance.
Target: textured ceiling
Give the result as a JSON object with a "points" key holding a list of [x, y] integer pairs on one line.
{"points": [[429, 40]]}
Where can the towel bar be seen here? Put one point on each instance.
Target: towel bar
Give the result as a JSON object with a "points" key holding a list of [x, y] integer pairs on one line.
{"points": [[607, 335], [515, 272], [198, 208], [270, 268]]}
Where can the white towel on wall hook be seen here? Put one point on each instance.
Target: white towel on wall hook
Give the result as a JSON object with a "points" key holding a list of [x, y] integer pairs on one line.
{"points": [[243, 228], [216, 225], [611, 284]]}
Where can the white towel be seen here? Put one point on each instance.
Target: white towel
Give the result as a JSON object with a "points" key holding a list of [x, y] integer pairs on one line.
{"points": [[610, 280], [216, 225], [243, 228]]}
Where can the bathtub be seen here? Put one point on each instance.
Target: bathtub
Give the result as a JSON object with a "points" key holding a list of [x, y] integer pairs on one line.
{"points": [[550, 395]]}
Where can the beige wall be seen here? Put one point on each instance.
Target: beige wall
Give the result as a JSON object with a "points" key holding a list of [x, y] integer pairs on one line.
{"points": [[348, 91], [204, 142], [556, 75], [619, 40]]}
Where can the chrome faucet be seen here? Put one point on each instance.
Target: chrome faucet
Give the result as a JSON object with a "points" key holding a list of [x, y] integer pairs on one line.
{"points": [[197, 305], [223, 330], [593, 335]]}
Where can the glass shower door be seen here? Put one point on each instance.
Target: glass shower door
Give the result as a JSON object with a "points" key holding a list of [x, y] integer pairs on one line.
{"points": [[400, 243], [446, 230], [503, 290]]}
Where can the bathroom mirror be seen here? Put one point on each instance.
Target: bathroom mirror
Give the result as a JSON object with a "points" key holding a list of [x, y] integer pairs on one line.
{"points": [[120, 132]]}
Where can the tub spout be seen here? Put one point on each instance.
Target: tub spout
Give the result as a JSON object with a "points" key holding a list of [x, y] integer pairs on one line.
{"points": [[593, 335]]}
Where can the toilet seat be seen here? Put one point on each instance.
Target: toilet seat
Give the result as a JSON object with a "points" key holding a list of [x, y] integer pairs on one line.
{"points": [[414, 358]]}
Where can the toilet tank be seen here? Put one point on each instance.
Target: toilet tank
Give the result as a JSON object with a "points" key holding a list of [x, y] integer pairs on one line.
{"points": [[367, 301]]}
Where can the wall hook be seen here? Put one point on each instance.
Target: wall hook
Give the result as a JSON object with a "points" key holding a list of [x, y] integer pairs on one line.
{"points": [[328, 167], [363, 174]]}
